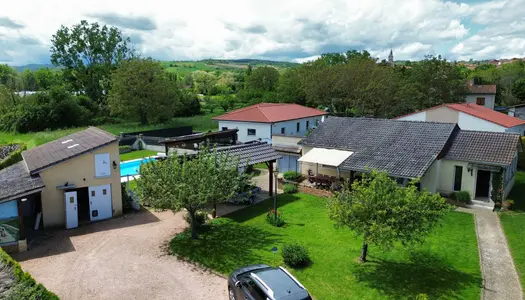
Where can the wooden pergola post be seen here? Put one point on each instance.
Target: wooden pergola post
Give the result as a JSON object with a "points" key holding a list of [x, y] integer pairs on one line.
{"points": [[270, 174], [352, 173]]}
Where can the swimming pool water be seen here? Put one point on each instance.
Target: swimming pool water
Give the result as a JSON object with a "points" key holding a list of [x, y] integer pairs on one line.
{"points": [[132, 167]]}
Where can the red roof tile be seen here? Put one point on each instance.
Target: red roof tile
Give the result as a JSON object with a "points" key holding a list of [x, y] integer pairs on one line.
{"points": [[270, 113], [478, 111], [487, 114]]}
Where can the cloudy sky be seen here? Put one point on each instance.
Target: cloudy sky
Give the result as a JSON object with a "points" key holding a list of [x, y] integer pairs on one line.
{"points": [[291, 30]]}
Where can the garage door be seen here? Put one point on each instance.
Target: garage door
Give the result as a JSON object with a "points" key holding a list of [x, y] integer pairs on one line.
{"points": [[100, 206], [288, 163]]}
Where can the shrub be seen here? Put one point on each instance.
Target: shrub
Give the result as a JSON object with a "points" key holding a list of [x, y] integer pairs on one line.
{"points": [[290, 189], [295, 255], [200, 218], [21, 285], [13, 157], [125, 149], [508, 204], [272, 220], [292, 175], [461, 196]]}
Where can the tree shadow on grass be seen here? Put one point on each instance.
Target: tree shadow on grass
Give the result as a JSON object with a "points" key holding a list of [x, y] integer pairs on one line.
{"points": [[261, 208], [424, 274], [224, 245]]}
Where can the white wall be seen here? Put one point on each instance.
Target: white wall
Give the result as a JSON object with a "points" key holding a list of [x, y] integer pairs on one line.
{"points": [[430, 180], [446, 177], [468, 122], [290, 127], [489, 99], [262, 130], [517, 129], [420, 116]]}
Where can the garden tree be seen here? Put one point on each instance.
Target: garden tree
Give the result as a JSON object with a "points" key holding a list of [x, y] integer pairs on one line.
{"points": [[29, 81], [203, 82], [191, 183], [289, 88], [263, 79], [142, 91], [384, 212], [10, 78], [437, 81], [227, 102], [88, 53], [46, 78], [226, 82], [518, 89]]}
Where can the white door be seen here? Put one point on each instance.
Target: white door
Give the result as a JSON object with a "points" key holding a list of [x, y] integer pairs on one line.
{"points": [[100, 206], [71, 210]]}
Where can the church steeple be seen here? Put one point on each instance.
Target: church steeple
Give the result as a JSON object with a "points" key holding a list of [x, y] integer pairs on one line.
{"points": [[391, 58]]}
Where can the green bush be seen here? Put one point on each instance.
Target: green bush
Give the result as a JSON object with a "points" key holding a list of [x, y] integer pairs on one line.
{"points": [[292, 175], [290, 188], [24, 286], [272, 220], [200, 218], [125, 149], [461, 196], [13, 157], [295, 255]]}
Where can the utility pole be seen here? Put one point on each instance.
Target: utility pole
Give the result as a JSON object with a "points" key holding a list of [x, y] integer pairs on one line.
{"points": [[276, 172]]}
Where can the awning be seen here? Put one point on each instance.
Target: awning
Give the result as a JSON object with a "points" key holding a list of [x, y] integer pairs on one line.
{"points": [[329, 157]]}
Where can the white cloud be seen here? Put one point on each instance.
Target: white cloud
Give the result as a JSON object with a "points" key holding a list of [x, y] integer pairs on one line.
{"points": [[286, 29]]}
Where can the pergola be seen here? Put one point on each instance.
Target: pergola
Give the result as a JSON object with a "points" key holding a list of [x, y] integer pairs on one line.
{"points": [[253, 153]]}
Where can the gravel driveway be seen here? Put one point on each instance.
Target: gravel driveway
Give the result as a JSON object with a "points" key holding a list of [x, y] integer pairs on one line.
{"points": [[121, 258]]}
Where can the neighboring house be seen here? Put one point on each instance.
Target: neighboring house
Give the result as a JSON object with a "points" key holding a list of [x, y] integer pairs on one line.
{"points": [[281, 124], [64, 182], [261, 121], [484, 95], [469, 117], [517, 111], [444, 157]]}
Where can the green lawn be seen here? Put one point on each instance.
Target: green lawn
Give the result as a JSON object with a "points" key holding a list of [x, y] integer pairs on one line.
{"points": [[513, 224], [137, 154], [446, 266], [199, 123]]}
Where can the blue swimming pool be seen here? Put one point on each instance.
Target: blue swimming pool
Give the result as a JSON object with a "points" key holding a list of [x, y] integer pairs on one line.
{"points": [[132, 167]]}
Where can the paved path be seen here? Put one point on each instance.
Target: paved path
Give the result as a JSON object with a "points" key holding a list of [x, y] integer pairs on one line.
{"points": [[500, 279], [121, 258]]}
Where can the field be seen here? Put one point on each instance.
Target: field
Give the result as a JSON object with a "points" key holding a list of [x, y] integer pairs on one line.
{"points": [[185, 67], [446, 266], [199, 123]]}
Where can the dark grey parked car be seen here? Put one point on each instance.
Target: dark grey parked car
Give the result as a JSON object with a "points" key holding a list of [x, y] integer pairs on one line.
{"points": [[262, 282]]}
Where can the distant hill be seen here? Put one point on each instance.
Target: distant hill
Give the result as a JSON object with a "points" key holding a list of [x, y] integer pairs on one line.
{"points": [[221, 65], [33, 67]]}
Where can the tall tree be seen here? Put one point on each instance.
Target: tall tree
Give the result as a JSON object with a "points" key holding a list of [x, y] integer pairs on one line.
{"points": [[88, 54], [191, 183], [289, 87], [203, 82], [29, 80], [263, 79], [518, 90], [141, 90], [382, 212], [46, 78]]}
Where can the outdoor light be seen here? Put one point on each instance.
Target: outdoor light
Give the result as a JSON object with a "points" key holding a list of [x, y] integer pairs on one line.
{"points": [[23, 199], [114, 165], [274, 250]]}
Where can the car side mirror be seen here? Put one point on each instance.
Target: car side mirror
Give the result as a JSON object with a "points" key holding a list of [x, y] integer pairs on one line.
{"points": [[238, 284]]}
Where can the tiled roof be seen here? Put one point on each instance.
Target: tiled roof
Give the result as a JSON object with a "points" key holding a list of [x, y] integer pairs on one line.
{"points": [[484, 147], [271, 113], [251, 153], [479, 111], [481, 89], [65, 148], [400, 148], [15, 181], [487, 114]]}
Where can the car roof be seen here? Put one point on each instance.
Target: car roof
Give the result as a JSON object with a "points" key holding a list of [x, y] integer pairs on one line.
{"points": [[280, 282]]}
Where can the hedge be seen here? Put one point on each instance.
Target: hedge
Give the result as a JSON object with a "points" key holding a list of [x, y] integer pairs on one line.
{"points": [[25, 287], [13, 157]]}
